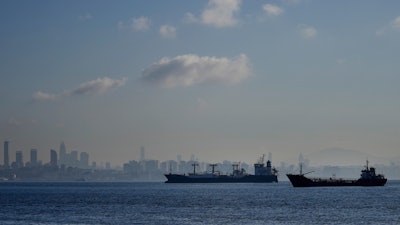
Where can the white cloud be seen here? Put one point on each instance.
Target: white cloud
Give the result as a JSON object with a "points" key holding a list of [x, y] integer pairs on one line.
{"points": [[220, 13], [307, 32], [42, 96], [272, 10], [139, 24], [93, 87], [190, 18], [98, 86], [189, 70], [168, 31], [86, 16], [396, 23], [393, 25]]}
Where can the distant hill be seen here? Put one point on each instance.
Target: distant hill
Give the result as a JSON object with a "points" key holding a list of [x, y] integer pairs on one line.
{"points": [[342, 157]]}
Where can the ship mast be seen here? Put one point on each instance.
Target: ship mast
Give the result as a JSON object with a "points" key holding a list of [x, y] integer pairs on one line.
{"points": [[261, 160], [213, 166], [301, 168], [194, 168]]}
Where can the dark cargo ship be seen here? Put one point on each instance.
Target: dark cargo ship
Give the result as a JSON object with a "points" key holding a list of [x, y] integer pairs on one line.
{"points": [[368, 178], [262, 174]]}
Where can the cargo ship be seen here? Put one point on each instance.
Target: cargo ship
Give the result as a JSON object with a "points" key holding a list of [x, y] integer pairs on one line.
{"points": [[368, 177], [262, 174]]}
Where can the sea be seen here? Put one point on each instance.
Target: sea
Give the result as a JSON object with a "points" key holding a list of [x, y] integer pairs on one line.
{"points": [[161, 203]]}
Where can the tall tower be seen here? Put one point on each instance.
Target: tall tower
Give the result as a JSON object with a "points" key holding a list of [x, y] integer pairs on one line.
{"points": [[84, 160], [19, 159], [33, 157], [142, 153], [6, 158], [63, 153], [53, 157]]}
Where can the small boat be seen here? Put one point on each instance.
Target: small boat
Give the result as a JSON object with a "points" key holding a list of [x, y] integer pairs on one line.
{"points": [[368, 178]]}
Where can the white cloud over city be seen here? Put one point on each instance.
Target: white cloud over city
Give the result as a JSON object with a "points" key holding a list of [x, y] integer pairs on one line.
{"points": [[189, 70], [93, 87]]}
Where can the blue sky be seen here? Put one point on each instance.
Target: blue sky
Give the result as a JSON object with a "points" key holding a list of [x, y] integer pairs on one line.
{"points": [[218, 79]]}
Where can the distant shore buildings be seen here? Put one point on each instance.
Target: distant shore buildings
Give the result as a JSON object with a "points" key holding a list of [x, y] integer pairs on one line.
{"points": [[72, 166]]}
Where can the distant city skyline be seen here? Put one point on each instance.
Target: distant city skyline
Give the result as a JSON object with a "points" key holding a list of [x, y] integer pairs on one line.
{"points": [[218, 79]]}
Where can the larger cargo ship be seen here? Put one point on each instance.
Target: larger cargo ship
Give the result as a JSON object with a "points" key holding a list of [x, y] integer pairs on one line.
{"points": [[368, 178], [262, 174]]}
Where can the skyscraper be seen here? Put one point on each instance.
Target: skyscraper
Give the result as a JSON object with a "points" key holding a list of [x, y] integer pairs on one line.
{"points": [[19, 159], [33, 157], [63, 153], [84, 160], [53, 157], [6, 158], [73, 159], [142, 153]]}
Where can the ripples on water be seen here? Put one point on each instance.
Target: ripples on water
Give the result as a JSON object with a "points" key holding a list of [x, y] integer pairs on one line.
{"points": [[159, 203]]}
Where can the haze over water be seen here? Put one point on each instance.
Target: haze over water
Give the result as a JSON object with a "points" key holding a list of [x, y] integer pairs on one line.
{"points": [[223, 80]]}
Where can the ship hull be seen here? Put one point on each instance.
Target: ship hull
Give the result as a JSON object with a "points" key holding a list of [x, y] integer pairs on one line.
{"points": [[302, 181], [177, 178]]}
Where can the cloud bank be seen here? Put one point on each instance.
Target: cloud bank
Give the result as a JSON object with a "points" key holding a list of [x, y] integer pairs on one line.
{"points": [[189, 70], [93, 87]]}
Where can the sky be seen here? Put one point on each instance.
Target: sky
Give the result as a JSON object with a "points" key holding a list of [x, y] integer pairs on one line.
{"points": [[220, 79]]}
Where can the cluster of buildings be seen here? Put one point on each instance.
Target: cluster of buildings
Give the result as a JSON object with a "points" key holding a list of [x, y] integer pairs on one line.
{"points": [[62, 165], [73, 165], [63, 159], [151, 169]]}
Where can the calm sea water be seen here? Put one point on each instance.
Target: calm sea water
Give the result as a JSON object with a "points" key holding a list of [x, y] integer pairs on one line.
{"points": [[160, 203]]}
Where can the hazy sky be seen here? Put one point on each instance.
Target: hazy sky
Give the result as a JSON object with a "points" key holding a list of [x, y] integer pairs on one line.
{"points": [[223, 79]]}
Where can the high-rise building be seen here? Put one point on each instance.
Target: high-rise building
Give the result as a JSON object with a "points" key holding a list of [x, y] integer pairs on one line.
{"points": [[19, 159], [33, 157], [84, 160], [63, 153], [6, 158], [53, 157], [73, 159], [142, 153]]}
